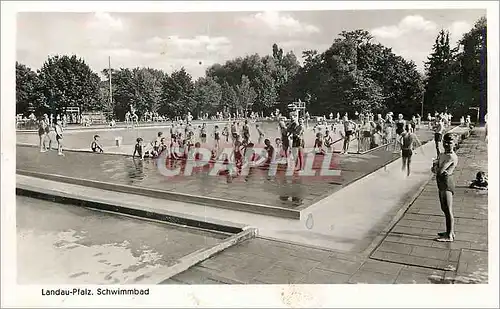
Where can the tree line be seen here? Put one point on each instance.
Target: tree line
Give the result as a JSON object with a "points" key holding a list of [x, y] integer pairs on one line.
{"points": [[354, 74]]}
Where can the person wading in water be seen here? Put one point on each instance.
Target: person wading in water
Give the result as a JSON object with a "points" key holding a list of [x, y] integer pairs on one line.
{"points": [[438, 133], [409, 142]]}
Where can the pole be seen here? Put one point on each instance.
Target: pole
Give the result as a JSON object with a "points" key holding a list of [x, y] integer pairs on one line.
{"points": [[110, 87], [422, 109]]}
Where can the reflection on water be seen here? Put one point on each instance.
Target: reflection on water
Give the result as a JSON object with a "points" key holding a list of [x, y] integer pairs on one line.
{"points": [[136, 172], [291, 188], [203, 180]]}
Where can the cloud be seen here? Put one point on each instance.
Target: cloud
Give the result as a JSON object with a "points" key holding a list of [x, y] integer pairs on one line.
{"points": [[414, 36], [409, 24], [457, 30], [294, 44], [278, 23], [127, 53], [104, 21], [104, 30], [190, 45]]}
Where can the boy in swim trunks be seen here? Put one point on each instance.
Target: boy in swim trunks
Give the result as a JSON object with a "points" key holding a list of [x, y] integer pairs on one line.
{"points": [[377, 137], [408, 142], [400, 127], [234, 131], [138, 149], [42, 135], [366, 133], [349, 128], [59, 137], [217, 137], [246, 133], [443, 168], [269, 152], [261, 134], [225, 132], [163, 147], [438, 133], [203, 133], [173, 135], [328, 141], [285, 140]]}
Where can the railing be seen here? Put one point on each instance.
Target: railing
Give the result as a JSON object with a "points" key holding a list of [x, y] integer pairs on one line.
{"points": [[26, 124]]}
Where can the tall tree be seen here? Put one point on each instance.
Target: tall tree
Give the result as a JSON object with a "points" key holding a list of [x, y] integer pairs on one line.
{"points": [[28, 90], [246, 95], [106, 106], [472, 66], [148, 83], [124, 91], [229, 98], [177, 94], [439, 93], [207, 95], [69, 81], [353, 74]]}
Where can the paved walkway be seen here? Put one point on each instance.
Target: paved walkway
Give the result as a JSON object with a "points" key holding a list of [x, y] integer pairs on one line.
{"points": [[407, 253]]}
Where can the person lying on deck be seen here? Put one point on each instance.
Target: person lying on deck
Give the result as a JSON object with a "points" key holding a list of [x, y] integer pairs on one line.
{"points": [[480, 183]]}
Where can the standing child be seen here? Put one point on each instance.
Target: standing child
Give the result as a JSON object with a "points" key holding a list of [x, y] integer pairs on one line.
{"points": [[203, 133], [279, 146], [234, 131], [269, 152], [217, 137], [413, 123], [172, 132], [328, 140], [163, 146], [444, 167], [400, 128], [138, 149], [246, 133], [237, 153], [409, 142], [42, 135], [59, 137], [261, 134], [349, 130], [438, 133], [225, 132], [377, 137]]}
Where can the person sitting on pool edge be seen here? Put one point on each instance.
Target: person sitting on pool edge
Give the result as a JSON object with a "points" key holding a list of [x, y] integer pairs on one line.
{"points": [[95, 146], [480, 183]]}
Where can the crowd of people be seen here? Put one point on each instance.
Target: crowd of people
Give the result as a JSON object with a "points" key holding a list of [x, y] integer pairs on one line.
{"points": [[371, 131], [288, 146], [46, 126]]}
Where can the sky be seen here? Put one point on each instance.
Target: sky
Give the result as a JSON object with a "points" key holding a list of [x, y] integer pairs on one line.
{"points": [[169, 41]]}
